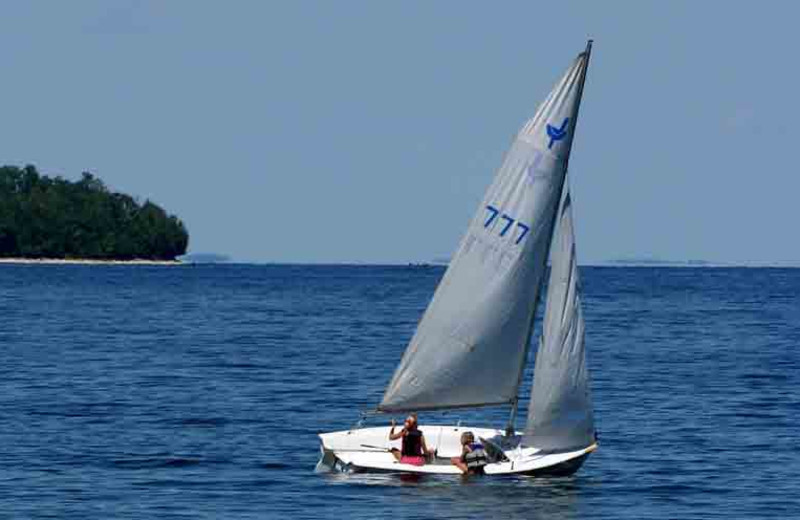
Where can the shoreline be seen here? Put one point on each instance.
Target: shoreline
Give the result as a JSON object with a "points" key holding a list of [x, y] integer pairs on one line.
{"points": [[613, 264], [86, 261]]}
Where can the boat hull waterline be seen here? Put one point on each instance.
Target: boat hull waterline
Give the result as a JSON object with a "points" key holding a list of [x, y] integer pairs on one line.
{"points": [[367, 450]]}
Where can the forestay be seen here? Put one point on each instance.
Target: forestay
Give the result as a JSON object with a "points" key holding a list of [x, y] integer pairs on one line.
{"points": [[560, 413], [470, 346]]}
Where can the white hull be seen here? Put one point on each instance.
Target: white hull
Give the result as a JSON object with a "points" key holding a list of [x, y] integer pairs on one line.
{"points": [[367, 450]]}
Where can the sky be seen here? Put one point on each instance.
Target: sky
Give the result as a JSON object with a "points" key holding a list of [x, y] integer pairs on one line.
{"points": [[367, 132]]}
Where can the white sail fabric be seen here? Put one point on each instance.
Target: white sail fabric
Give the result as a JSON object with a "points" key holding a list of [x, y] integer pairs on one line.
{"points": [[470, 346], [560, 414]]}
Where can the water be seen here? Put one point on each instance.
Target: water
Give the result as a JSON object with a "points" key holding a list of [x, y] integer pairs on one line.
{"points": [[197, 391]]}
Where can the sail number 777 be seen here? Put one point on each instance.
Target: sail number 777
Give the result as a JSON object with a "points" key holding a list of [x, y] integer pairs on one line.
{"points": [[508, 223]]}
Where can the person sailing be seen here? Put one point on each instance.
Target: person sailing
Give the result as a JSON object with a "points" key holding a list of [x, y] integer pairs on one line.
{"points": [[473, 456], [413, 450]]}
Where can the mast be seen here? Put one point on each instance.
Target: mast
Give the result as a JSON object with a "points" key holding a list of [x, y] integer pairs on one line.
{"points": [[513, 415], [588, 53]]}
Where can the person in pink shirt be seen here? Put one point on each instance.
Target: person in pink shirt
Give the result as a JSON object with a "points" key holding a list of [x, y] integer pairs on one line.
{"points": [[414, 450]]}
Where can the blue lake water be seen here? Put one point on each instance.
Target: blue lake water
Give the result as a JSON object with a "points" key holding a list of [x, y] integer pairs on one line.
{"points": [[197, 392]]}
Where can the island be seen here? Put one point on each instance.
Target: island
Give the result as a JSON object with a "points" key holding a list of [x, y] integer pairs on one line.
{"points": [[45, 217]]}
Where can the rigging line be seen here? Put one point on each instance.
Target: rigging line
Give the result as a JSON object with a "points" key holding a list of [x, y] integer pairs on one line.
{"points": [[512, 419]]}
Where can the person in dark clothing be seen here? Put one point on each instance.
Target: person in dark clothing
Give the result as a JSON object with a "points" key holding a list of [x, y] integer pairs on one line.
{"points": [[414, 450]]}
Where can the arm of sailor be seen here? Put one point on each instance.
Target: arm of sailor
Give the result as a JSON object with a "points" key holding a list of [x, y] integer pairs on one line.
{"points": [[394, 436], [425, 450], [465, 448]]}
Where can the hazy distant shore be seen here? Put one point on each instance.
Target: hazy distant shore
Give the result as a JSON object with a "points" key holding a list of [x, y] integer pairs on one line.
{"points": [[692, 263], [87, 261]]}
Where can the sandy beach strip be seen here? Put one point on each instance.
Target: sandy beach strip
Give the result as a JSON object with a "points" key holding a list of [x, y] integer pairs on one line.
{"points": [[86, 261]]}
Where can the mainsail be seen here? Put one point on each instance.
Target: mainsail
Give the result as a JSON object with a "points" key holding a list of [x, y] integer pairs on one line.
{"points": [[560, 412], [470, 346]]}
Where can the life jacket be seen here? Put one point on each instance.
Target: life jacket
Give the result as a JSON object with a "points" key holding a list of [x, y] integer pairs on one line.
{"points": [[476, 458], [412, 444]]}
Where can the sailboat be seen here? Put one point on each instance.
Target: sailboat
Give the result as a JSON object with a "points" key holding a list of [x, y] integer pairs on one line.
{"points": [[471, 345]]}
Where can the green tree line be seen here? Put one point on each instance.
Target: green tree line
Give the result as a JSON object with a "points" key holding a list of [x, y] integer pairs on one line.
{"points": [[50, 217]]}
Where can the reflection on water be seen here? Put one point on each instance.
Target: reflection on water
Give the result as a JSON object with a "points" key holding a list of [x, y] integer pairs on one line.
{"points": [[438, 496]]}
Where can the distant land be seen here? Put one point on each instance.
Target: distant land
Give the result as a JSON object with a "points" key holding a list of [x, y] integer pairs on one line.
{"points": [[657, 262], [45, 218], [634, 261], [204, 258]]}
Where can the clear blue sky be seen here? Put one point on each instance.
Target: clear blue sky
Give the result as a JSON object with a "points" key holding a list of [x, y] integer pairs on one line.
{"points": [[368, 131]]}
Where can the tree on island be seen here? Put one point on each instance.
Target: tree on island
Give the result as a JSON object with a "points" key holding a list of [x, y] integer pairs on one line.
{"points": [[44, 217]]}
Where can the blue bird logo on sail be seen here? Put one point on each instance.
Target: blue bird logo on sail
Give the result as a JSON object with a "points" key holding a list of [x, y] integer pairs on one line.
{"points": [[557, 134]]}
